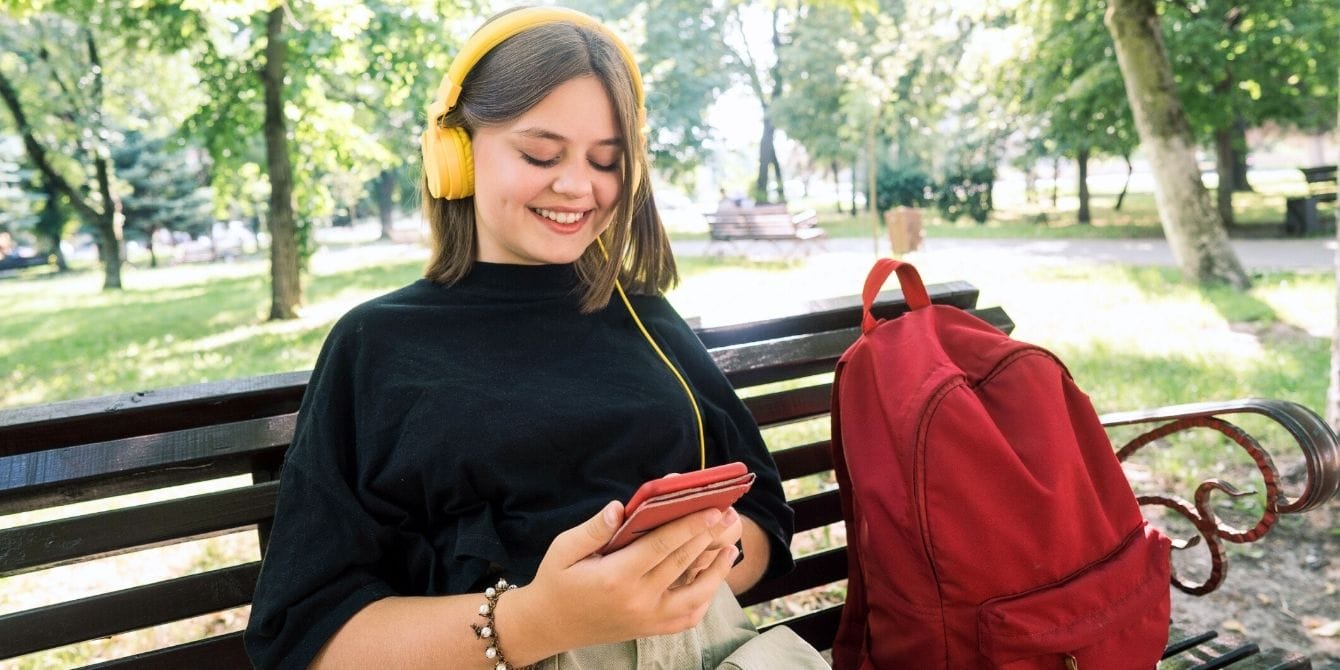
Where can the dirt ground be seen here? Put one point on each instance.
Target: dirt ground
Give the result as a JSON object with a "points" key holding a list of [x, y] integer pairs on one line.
{"points": [[1282, 592]]}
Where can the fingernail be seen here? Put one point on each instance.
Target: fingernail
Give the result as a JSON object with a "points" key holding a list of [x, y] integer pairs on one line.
{"points": [[713, 517], [610, 516], [729, 517]]}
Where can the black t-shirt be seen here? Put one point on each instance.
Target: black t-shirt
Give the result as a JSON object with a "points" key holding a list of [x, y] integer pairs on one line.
{"points": [[448, 434]]}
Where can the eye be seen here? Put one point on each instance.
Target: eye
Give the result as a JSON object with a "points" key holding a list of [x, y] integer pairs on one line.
{"points": [[540, 163], [611, 167]]}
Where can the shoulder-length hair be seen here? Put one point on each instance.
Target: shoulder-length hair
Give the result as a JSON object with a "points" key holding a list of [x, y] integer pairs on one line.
{"points": [[507, 82]]}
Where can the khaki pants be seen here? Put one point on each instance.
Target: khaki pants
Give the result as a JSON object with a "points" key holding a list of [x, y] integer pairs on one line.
{"points": [[724, 640]]}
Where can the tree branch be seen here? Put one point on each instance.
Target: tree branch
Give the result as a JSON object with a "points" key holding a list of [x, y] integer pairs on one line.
{"points": [[38, 153]]}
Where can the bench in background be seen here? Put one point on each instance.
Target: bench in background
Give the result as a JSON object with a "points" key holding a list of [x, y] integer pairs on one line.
{"points": [[1300, 214], [772, 223], [89, 450]]}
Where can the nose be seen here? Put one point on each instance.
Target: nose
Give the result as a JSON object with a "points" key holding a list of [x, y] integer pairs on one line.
{"points": [[574, 180]]}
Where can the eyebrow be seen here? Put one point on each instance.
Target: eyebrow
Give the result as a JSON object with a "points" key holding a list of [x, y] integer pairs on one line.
{"points": [[542, 134]]}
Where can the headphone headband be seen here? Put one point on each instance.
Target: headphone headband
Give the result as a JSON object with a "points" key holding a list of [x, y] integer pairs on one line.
{"points": [[508, 25]]}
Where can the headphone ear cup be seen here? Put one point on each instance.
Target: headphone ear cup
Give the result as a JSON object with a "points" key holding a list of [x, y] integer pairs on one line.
{"points": [[448, 162]]}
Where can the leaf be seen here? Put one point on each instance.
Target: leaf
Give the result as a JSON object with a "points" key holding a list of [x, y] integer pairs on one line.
{"points": [[1330, 628]]}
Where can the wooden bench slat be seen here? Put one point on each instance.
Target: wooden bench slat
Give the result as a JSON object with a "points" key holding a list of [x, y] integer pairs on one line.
{"points": [[44, 545], [130, 609], [804, 460], [111, 417], [799, 356], [813, 570], [818, 510], [64, 475], [221, 652], [792, 405], [833, 314]]}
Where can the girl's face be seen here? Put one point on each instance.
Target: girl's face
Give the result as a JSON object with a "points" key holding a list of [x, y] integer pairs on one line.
{"points": [[547, 182]]}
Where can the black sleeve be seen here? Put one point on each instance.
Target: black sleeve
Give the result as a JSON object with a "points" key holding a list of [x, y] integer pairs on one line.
{"points": [[732, 434], [317, 570]]}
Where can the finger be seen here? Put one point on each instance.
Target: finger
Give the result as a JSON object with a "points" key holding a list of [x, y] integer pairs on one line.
{"points": [[652, 548], [577, 543], [703, 587], [664, 573], [728, 530], [704, 560]]}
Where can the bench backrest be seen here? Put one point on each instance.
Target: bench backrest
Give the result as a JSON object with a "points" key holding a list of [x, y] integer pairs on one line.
{"points": [[1321, 180], [762, 221], [90, 450]]}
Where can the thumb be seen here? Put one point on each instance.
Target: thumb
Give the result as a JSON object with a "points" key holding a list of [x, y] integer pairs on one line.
{"points": [[577, 543]]}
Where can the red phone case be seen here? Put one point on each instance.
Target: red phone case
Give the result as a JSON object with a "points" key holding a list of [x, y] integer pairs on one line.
{"points": [[663, 500]]}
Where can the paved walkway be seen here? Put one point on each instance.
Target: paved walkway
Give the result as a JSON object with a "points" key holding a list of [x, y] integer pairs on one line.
{"points": [[1313, 254]]}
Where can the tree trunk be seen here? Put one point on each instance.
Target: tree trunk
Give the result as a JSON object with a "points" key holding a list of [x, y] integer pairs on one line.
{"points": [[1126, 185], [1333, 391], [1082, 162], [285, 286], [386, 201], [1056, 179], [1195, 233], [1240, 183], [767, 152], [51, 225], [1224, 158], [853, 187]]}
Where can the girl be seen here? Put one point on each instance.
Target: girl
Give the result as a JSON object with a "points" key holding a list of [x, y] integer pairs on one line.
{"points": [[477, 429]]}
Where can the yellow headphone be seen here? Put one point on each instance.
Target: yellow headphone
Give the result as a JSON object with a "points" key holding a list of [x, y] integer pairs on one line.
{"points": [[448, 163]]}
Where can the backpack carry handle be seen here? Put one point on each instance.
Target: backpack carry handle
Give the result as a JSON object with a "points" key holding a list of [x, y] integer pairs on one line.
{"points": [[914, 291]]}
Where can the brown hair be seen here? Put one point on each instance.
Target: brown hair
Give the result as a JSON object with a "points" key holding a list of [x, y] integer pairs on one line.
{"points": [[507, 82]]}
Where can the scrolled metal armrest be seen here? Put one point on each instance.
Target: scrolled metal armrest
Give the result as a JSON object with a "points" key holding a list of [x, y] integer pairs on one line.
{"points": [[1315, 439], [1321, 451]]}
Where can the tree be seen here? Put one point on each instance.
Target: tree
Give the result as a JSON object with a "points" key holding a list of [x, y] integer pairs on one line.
{"points": [[166, 189], [72, 81], [1240, 65], [1071, 84], [314, 86], [1195, 232]]}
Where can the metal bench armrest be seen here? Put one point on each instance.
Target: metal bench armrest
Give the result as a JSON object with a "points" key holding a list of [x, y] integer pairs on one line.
{"points": [[1314, 438]]}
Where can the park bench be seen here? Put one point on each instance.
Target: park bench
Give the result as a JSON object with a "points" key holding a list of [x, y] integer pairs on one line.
{"points": [[771, 223], [93, 449], [1300, 214]]}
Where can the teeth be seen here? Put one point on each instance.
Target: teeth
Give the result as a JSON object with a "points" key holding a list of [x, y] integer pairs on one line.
{"points": [[559, 217]]}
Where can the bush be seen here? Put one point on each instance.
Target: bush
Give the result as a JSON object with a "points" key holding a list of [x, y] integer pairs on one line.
{"points": [[901, 186], [965, 190]]}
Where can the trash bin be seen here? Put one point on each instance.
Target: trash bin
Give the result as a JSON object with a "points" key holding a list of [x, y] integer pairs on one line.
{"points": [[905, 231]]}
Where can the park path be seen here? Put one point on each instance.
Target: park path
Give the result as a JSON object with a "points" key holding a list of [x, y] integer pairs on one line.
{"points": [[1301, 255]]}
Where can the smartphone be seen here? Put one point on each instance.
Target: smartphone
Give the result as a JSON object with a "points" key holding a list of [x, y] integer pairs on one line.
{"points": [[663, 500]]}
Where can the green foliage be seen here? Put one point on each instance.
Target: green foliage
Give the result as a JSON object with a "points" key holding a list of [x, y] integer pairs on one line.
{"points": [[1259, 62], [901, 186], [965, 191], [164, 192]]}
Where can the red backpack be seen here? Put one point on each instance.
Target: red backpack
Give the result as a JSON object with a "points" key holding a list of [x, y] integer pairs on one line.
{"points": [[989, 524]]}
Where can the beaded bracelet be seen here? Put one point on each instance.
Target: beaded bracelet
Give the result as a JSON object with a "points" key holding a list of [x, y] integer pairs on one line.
{"points": [[486, 632]]}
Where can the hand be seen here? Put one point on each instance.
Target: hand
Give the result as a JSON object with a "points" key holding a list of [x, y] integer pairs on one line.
{"points": [[627, 594]]}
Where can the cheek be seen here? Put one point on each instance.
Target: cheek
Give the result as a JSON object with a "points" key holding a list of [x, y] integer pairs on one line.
{"points": [[607, 190]]}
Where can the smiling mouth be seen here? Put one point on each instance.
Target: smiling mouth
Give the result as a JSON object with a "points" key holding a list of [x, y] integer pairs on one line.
{"points": [[562, 218]]}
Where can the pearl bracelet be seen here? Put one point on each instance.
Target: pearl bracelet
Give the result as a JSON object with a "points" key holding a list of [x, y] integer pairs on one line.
{"points": [[494, 651]]}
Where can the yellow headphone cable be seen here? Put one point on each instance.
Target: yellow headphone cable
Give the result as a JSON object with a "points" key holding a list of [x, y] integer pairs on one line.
{"points": [[697, 414]]}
